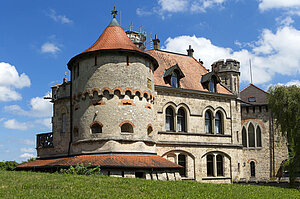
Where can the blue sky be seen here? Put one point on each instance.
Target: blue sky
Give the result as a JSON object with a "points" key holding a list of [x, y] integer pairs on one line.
{"points": [[38, 38]]}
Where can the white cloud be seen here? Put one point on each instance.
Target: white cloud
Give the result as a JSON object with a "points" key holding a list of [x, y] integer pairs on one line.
{"points": [[273, 53], [58, 18], [142, 12], [27, 155], [173, 5], [27, 150], [39, 107], [14, 124], [203, 5], [271, 4], [49, 47], [284, 21], [11, 80], [45, 122], [27, 142]]}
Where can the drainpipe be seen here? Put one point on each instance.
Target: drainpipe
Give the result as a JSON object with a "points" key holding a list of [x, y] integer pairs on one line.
{"points": [[71, 117]]}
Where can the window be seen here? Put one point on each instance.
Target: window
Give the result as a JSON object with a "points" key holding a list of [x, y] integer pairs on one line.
{"points": [[252, 169], [127, 60], [212, 84], [210, 165], [63, 123], [96, 128], [258, 137], [181, 120], [126, 128], [208, 122], [244, 137], [251, 99], [251, 135], [218, 123], [96, 61], [182, 162], [169, 119], [149, 130], [174, 80], [220, 171]]}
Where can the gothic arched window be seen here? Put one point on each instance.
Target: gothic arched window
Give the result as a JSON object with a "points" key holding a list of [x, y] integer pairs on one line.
{"points": [[251, 135], [220, 170], [208, 122], [212, 84], [181, 118], [218, 123], [258, 137], [244, 137], [210, 165], [169, 119]]}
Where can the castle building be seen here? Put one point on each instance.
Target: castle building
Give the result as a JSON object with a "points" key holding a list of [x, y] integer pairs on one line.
{"points": [[158, 115]]}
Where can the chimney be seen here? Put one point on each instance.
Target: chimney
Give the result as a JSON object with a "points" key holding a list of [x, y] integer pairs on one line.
{"points": [[156, 42], [190, 51]]}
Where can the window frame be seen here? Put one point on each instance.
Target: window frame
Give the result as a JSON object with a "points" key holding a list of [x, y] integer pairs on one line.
{"points": [[208, 122], [170, 116]]}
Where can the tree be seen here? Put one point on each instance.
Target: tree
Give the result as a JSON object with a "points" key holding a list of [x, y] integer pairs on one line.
{"points": [[284, 102]]}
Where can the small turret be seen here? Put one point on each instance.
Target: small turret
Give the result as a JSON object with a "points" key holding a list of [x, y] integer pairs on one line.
{"points": [[229, 73]]}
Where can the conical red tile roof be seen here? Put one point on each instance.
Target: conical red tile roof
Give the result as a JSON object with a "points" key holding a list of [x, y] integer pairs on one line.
{"points": [[113, 37]]}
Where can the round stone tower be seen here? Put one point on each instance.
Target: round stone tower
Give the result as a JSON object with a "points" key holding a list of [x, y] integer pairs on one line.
{"points": [[229, 73], [112, 96]]}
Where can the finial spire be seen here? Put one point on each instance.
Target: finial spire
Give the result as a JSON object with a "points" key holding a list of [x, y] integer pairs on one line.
{"points": [[114, 12]]}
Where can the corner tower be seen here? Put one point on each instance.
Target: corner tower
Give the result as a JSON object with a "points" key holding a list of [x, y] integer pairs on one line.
{"points": [[229, 73], [112, 96]]}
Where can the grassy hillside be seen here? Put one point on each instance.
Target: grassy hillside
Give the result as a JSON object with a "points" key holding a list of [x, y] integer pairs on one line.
{"points": [[16, 184]]}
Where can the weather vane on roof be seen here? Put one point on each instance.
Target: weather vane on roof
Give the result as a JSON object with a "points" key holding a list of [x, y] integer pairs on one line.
{"points": [[114, 12]]}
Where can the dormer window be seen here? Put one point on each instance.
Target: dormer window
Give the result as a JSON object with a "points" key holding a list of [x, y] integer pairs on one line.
{"points": [[174, 80], [251, 99], [173, 75], [210, 81]]}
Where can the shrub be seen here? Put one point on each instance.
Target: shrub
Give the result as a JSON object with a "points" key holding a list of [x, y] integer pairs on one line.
{"points": [[80, 169], [8, 165]]}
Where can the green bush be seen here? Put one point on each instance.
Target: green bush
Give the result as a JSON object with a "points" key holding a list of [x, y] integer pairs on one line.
{"points": [[80, 169], [8, 165]]}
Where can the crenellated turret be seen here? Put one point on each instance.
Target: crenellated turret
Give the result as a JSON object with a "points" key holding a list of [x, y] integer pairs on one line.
{"points": [[229, 73]]}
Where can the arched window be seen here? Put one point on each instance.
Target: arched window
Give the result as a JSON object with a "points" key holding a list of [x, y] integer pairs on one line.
{"points": [[126, 128], [251, 135], [252, 169], [258, 137], [182, 162], [96, 128], [218, 123], [149, 130], [244, 137], [181, 120], [174, 80], [220, 170], [208, 122], [169, 119], [210, 165]]}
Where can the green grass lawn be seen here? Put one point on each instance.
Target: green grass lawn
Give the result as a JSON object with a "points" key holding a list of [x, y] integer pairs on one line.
{"points": [[20, 184]]}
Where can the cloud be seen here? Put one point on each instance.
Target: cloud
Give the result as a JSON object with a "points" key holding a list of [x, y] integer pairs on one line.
{"points": [[45, 122], [50, 47], [173, 5], [39, 107], [14, 124], [271, 4], [28, 142], [203, 5], [142, 12], [273, 53], [27, 155], [27, 150], [284, 21], [58, 18], [11, 80]]}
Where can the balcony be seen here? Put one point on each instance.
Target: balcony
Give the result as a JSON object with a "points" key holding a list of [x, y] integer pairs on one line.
{"points": [[44, 140]]}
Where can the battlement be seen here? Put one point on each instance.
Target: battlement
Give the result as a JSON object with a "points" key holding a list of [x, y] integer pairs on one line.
{"points": [[226, 65]]}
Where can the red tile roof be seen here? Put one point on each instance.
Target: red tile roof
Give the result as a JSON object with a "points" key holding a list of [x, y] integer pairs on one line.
{"points": [[127, 161], [191, 68]]}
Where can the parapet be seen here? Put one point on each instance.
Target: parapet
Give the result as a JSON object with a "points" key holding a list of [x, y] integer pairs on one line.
{"points": [[226, 65]]}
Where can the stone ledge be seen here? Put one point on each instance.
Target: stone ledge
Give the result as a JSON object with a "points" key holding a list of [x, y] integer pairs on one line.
{"points": [[194, 134], [204, 144]]}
